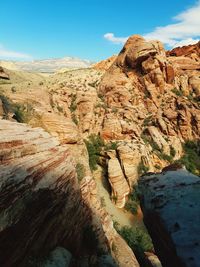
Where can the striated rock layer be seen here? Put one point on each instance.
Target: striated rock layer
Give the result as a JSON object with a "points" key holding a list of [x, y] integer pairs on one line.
{"points": [[170, 203], [40, 197], [44, 207]]}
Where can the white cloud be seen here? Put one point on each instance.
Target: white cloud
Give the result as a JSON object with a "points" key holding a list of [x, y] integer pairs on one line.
{"points": [[8, 54], [185, 30], [116, 40]]}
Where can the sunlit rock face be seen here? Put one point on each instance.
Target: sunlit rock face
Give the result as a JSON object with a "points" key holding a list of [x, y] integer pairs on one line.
{"points": [[3, 74], [170, 202], [41, 205], [45, 211]]}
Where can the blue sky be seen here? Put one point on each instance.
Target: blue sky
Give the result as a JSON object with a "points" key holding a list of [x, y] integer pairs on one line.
{"points": [[91, 29]]}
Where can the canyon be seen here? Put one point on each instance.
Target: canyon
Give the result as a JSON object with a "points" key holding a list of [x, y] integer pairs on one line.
{"points": [[123, 121]]}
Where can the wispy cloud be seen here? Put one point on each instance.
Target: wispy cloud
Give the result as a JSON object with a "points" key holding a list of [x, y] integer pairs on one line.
{"points": [[116, 40], [8, 54], [185, 30]]}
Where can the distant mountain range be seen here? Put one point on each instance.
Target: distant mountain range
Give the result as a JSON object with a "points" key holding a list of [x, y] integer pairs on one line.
{"points": [[47, 65]]}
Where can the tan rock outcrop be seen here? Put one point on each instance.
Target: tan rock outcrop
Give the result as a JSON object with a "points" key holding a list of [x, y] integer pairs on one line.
{"points": [[104, 64], [3, 74], [119, 184]]}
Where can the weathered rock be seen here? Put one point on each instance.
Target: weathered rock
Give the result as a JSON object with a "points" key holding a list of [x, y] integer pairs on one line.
{"points": [[3, 74], [39, 193], [60, 127], [119, 184], [192, 51], [170, 203], [42, 205], [104, 64], [185, 63]]}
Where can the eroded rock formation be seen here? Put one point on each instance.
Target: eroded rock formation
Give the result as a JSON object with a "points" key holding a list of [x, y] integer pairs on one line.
{"points": [[43, 206], [3, 74], [170, 203]]}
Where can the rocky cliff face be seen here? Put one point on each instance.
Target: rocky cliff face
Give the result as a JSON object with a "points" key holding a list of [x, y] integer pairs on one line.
{"points": [[170, 202], [43, 206], [152, 98], [41, 203]]}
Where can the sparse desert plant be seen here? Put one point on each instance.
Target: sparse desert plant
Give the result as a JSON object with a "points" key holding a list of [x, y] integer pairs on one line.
{"points": [[138, 240], [74, 118], [73, 105], [132, 203], [103, 202], [142, 168], [80, 170], [177, 92], [111, 146], [23, 112]]}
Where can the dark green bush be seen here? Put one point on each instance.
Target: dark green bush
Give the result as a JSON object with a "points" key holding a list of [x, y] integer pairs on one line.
{"points": [[73, 105], [132, 203], [94, 146], [138, 240], [111, 146], [172, 151], [191, 157]]}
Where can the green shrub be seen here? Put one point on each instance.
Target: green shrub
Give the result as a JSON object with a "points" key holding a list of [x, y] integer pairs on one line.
{"points": [[191, 157], [94, 146], [166, 157], [177, 92], [142, 169], [132, 203], [148, 140], [138, 240], [73, 105], [23, 113], [80, 170], [111, 146], [172, 151]]}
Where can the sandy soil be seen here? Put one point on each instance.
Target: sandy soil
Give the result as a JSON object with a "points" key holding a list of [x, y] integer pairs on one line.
{"points": [[119, 215]]}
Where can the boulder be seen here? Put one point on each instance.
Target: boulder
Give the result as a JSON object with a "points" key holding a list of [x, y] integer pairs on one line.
{"points": [[170, 203]]}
